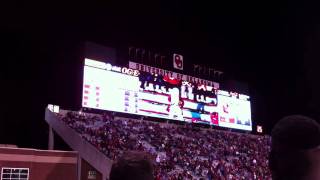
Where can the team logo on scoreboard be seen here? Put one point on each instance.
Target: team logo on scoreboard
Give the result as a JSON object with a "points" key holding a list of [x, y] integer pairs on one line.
{"points": [[178, 61]]}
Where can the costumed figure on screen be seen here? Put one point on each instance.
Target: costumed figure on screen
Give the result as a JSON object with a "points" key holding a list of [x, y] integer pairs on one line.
{"points": [[175, 105]]}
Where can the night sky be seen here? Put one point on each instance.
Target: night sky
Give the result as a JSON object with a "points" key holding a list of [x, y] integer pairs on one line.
{"points": [[273, 46]]}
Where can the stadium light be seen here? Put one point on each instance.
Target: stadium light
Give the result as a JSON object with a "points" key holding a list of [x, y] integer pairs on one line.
{"points": [[54, 108], [50, 107]]}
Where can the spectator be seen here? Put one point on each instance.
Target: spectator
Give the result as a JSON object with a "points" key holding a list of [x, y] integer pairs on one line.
{"points": [[295, 149], [132, 166], [178, 152]]}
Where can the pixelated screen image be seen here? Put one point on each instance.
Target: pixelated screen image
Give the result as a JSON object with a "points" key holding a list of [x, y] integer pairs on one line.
{"points": [[126, 90]]}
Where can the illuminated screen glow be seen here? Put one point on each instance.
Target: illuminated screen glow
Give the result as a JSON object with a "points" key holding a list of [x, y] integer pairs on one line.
{"points": [[125, 90]]}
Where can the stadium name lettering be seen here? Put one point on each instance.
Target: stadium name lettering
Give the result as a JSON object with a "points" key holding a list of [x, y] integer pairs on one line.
{"points": [[143, 55], [153, 70], [207, 71]]}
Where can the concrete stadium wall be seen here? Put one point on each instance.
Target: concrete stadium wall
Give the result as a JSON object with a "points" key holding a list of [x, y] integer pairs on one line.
{"points": [[86, 150]]}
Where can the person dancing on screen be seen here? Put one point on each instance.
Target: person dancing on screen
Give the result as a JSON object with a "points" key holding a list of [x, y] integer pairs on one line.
{"points": [[175, 105]]}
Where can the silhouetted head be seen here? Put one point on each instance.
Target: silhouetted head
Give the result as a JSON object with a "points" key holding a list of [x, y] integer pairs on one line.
{"points": [[134, 166], [294, 149]]}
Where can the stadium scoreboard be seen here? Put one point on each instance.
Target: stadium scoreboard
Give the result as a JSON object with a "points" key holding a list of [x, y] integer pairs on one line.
{"points": [[127, 90]]}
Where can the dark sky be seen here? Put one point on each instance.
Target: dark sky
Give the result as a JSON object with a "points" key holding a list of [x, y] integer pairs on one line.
{"points": [[273, 46]]}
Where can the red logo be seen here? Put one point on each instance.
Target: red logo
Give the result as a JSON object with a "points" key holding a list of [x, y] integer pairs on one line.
{"points": [[178, 61]]}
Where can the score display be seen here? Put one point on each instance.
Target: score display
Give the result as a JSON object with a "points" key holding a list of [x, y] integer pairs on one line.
{"points": [[126, 90]]}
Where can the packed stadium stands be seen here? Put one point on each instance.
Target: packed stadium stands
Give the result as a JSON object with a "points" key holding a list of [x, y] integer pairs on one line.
{"points": [[178, 151]]}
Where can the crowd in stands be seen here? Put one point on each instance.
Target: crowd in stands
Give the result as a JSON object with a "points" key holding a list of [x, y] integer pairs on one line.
{"points": [[179, 151]]}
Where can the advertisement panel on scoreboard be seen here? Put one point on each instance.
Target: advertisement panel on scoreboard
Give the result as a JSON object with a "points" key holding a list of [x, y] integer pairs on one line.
{"points": [[126, 90], [234, 111]]}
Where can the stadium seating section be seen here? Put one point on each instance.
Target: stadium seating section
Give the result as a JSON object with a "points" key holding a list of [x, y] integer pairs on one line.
{"points": [[178, 151]]}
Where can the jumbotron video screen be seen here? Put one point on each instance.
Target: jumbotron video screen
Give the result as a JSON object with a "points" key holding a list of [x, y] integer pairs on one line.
{"points": [[121, 89]]}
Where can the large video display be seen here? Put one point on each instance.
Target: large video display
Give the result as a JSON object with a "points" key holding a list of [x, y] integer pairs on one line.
{"points": [[126, 90]]}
